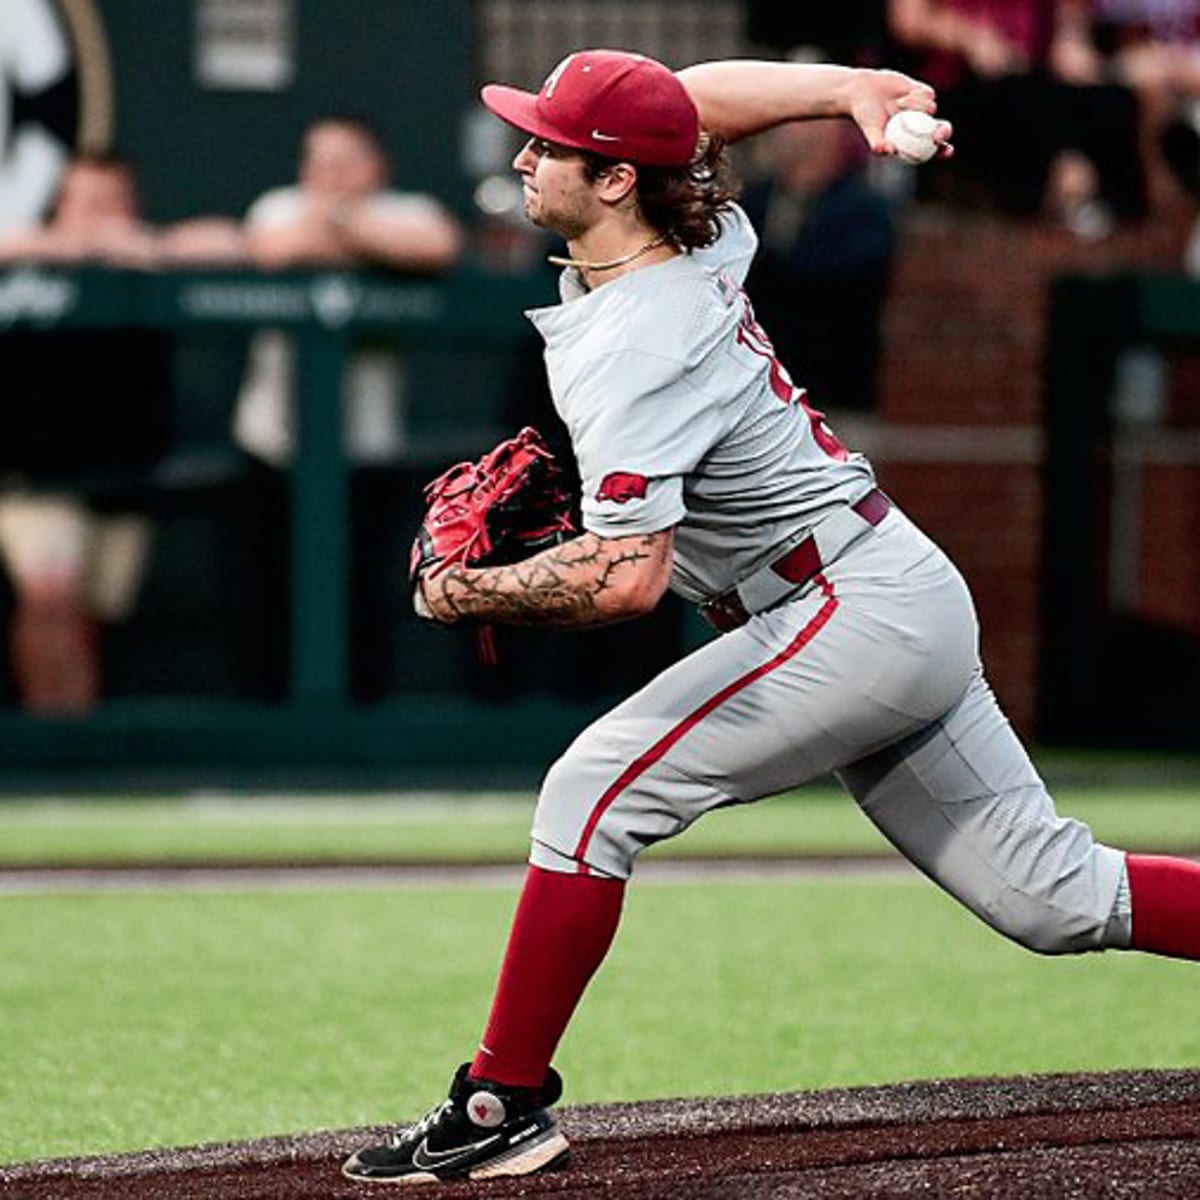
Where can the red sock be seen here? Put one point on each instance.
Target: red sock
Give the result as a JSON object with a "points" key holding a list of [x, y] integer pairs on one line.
{"points": [[560, 935], [1165, 895]]}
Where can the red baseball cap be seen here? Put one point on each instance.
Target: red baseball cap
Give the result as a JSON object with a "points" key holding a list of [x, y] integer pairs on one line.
{"points": [[622, 105]]}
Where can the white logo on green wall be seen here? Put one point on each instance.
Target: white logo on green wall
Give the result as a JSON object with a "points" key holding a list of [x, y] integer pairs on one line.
{"points": [[35, 296], [55, 98]]}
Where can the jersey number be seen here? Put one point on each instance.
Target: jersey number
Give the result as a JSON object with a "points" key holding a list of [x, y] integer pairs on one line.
{"points": [[752, 335]]}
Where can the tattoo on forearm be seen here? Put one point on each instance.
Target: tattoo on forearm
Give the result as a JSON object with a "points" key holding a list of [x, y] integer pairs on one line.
{"points": [[565, 585]]}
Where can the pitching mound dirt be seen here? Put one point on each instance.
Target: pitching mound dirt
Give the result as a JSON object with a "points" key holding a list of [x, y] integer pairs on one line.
{"points": [[1122, 1134]]}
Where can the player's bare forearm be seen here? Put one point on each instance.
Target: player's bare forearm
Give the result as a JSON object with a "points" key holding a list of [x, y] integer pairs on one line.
{"points": [[740, 97], [590, 580]]}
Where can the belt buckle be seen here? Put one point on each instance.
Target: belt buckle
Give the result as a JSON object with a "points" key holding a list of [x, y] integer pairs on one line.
{"points": [[724, 612]]}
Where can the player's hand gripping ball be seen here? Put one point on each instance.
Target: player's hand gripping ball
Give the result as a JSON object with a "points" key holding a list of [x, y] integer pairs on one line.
{"points": [[505, 507], [911, 132]]}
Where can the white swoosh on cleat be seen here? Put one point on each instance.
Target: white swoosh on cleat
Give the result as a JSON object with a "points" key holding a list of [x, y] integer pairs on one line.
{"points": [[437, 1160]]}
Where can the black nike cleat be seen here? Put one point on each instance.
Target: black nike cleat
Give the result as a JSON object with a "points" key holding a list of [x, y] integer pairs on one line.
{"points": [[483, 1130]]}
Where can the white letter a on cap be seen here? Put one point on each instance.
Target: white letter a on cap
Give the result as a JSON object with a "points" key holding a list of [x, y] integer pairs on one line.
{"points": [[554, 76]]}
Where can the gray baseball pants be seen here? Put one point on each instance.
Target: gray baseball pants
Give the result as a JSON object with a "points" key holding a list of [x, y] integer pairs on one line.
{"points": [[872, 673]]}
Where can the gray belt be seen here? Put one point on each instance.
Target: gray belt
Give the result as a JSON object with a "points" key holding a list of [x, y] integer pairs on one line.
{"points": [[777, 580]]}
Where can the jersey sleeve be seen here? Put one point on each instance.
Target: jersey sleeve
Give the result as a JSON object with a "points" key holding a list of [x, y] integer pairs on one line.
{"points": [[734, 249], [642, 428]]}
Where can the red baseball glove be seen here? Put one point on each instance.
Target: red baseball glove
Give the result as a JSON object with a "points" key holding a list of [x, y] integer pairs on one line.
{"points": [[502, 509]]}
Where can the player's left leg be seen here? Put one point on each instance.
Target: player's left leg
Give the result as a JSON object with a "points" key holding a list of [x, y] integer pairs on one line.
{"points": [[480, 1131], [752, 713], [561, 933]]}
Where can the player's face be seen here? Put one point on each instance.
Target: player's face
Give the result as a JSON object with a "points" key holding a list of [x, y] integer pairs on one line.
{"points": [[558, 195]]}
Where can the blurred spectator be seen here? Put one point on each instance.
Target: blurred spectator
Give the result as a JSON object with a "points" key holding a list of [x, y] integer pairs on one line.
{"points": [[1181, 144], [339, 213], [85, 412], [1153, 47], [853, 31], [820, 278], [1038, 130]]}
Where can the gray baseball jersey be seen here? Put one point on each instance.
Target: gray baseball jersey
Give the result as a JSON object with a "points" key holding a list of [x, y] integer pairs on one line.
{"points": [[681, 416]]}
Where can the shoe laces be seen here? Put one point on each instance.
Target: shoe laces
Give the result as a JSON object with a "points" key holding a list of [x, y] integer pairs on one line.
{"points": [[412, 1133]]}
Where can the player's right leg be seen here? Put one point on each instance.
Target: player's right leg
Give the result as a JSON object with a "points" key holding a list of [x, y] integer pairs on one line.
{"points": [[962, 800], [1165, 894]]}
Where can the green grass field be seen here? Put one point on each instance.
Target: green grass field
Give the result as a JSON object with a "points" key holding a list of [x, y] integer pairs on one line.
{"points": [[818, 820], [141, 1019]]}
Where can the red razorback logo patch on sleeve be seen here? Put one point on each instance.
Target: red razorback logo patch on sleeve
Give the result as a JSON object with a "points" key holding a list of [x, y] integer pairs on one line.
{"points": [[622, 486]]}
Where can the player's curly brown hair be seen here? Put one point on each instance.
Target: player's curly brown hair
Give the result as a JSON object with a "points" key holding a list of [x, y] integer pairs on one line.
{"points": [[684, 204]]}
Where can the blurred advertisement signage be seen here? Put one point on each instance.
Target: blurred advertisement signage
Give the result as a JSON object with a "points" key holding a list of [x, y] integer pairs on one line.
{"points": [[35, 296], [245, 45]]}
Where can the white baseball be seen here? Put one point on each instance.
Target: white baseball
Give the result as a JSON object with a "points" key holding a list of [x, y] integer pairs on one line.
{"points": [[911, 132]]}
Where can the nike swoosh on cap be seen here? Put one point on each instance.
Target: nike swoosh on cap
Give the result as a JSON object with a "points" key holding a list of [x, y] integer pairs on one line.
{"points": [[428, 1160], [605, 137]]}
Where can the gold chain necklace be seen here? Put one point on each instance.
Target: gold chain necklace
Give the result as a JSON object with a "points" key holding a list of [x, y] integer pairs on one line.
{"points": [[584, 265]]}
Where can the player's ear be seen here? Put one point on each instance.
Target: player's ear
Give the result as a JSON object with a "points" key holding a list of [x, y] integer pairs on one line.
{"points": [[617, 182]]}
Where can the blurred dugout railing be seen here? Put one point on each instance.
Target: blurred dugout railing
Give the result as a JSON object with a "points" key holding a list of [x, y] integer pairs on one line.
{"points": [[444, 713], [1121, 573]]}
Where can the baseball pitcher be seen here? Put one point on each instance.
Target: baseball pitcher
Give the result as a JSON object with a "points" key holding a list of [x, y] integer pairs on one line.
{"points": [[849, 641]]}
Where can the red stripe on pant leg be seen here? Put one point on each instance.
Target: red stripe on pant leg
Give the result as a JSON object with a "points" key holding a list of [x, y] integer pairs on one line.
{"points": [[651, 756], [1164, 894]]}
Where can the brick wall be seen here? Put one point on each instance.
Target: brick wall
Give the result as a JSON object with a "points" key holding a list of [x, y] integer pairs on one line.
{"points": [[1169, 567], [960, 442]]}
